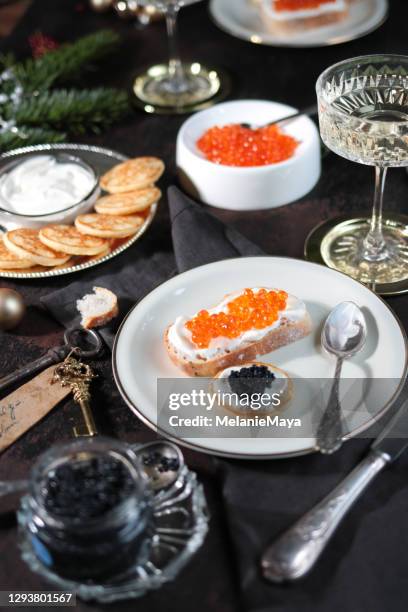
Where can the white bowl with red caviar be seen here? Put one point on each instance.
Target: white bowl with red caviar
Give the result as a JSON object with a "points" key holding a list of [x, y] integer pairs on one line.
{"points": [[271, 166]]}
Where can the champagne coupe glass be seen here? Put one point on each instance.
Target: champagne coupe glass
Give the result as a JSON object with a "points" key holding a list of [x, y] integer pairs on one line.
{"points": [[363, 115], [175, 87]]}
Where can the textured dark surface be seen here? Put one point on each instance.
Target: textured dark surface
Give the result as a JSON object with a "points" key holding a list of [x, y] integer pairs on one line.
{"points": [[375, 535]]}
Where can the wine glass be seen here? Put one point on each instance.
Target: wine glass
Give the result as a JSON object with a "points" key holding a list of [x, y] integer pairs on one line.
{"points": [[175, 87], [363, 115]]}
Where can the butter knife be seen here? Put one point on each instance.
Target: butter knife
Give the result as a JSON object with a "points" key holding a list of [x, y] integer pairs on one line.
{"points": [[296, 551]]}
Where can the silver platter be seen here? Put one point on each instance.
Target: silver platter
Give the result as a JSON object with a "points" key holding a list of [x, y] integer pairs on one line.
{"points": [[242, 19], [102, 159]]}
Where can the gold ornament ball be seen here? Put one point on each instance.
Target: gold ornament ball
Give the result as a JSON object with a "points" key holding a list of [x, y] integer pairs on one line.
{"points": [[12, 308], [100, 5]]}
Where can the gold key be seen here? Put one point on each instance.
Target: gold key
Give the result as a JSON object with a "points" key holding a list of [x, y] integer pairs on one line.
{"points": [[77, 375]]}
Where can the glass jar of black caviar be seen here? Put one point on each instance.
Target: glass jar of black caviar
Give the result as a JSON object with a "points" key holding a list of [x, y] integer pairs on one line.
{"points": [[89, 510]]}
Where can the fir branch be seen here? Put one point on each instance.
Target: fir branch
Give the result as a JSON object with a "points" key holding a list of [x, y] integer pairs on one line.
{"points": [[47, 116], [65, 62], [27, 136], [7, 60], [71, 110]]}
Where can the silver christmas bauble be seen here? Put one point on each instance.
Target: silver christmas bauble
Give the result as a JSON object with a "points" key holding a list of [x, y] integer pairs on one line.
{"points": [[12, 308]]}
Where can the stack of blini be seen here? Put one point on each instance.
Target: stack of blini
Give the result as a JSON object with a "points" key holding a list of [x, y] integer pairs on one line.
{"points": [[131, 191]]}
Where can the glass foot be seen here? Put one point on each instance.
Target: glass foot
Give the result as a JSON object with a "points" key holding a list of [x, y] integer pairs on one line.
{"points": [[339, 243], [343, 248], [157, 91]]}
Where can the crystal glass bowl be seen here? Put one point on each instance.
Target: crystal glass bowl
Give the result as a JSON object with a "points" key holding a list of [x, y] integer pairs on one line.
{"points": [[363, 109], [11, 220], [178, 524]]}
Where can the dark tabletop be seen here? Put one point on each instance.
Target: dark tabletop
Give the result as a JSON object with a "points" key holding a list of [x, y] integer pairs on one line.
{"points": [[211, 581]]}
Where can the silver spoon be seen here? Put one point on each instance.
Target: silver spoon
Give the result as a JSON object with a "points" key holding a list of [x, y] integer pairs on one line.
{"points": [[161, 474], [308, 112], [344, 334]]}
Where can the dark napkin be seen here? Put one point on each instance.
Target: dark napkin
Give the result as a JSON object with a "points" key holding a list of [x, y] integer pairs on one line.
{"points": [[198, 238], [363, 568]]}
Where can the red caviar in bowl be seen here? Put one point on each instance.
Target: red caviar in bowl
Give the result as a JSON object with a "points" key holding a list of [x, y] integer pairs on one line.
{"points": [[298, 5], [236, 145], [250, 310]]}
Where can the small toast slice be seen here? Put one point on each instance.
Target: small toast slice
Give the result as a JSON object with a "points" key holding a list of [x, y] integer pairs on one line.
{"points": [[97, 308], [108, 226], [302, 17], [293, 324], [11, 261], [132, 174], [25, 243], [68, 239], [128, 203]]}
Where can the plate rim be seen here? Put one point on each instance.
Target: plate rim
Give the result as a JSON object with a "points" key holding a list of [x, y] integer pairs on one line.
{"points": [[335, 40], [63, 146], [254, 456]]}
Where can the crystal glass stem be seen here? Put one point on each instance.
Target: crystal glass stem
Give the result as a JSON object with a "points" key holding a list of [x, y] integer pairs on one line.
{"points": [[177, 81], [175, 86], [375, 248]]}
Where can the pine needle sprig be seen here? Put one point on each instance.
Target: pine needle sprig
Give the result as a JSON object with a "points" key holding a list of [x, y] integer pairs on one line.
{"points": [[28, 136], [80, 111], [65, 62], [33, 111]]}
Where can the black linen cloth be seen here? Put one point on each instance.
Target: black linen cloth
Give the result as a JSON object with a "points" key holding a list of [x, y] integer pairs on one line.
{"points": [[263, 498]]}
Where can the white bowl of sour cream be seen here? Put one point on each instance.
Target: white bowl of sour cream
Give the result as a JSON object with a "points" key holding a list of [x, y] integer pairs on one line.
{"points": [[46, 188]]}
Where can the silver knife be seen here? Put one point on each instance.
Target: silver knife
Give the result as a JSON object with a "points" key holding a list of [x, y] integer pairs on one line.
{"points": [[295, 552]]}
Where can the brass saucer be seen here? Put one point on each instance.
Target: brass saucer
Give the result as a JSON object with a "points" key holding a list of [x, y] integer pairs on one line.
{"points": [[147, 98], [313, 245]]}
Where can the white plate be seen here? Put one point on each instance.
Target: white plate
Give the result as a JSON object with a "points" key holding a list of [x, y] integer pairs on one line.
{"points": [[140, 356], [242, 19]]}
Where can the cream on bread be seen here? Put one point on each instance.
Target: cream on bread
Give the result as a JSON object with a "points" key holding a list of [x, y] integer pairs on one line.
{"points": [[292, 323]]}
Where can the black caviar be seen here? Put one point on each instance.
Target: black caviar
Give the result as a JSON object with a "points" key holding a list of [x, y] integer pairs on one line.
{"points": [[87, 489], [89, 511], [253, 379], [161, 462]]}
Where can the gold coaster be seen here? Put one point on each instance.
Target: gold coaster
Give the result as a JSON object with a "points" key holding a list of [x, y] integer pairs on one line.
{"points": [[313, 245], [146, 97]]}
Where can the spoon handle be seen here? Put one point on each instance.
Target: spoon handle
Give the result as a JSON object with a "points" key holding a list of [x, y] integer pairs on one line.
{"points": [[330, 432], [308, 112], [295, 552]]}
